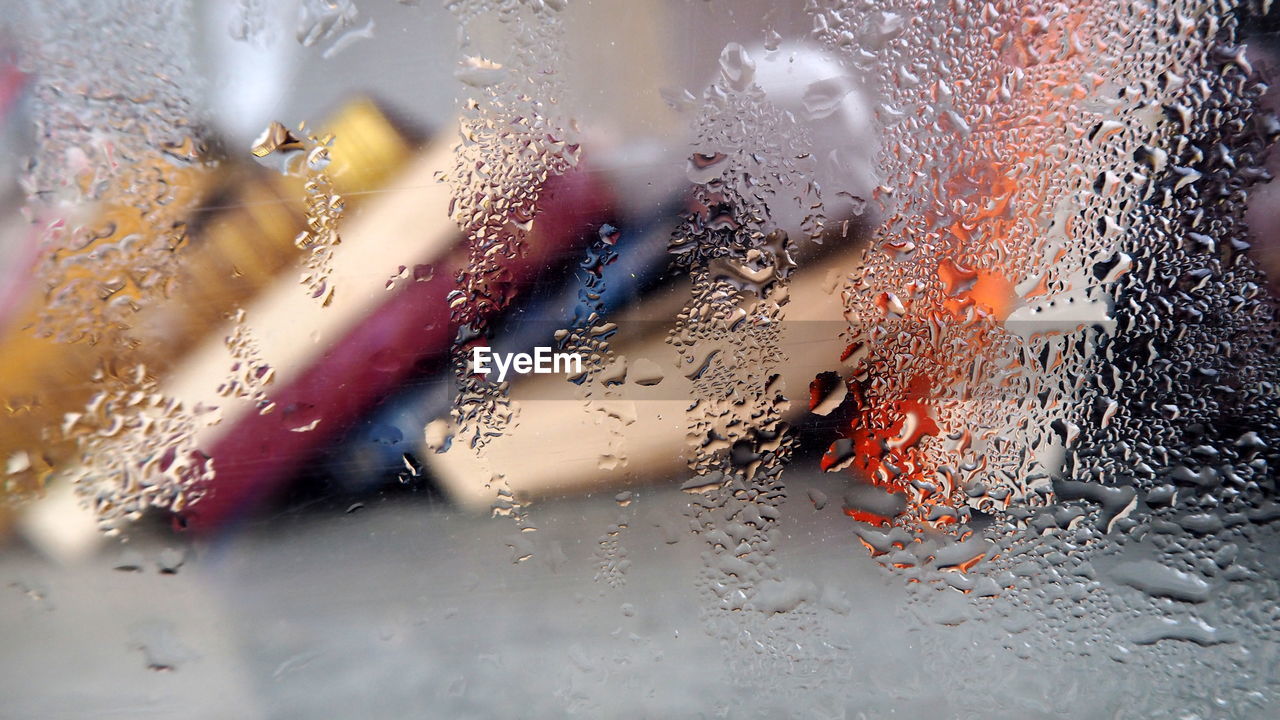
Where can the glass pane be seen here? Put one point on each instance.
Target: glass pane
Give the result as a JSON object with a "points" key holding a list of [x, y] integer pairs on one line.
{"points": [[669, 358]]}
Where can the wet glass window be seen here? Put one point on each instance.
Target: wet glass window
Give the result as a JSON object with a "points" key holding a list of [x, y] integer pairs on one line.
{"points": [[662, 358]]}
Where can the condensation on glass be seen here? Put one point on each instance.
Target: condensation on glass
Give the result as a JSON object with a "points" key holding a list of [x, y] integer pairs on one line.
{"points": [[1049, 401]]}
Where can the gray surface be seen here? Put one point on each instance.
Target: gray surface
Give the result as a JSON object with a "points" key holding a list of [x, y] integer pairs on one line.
{"points": [[410, 610]]}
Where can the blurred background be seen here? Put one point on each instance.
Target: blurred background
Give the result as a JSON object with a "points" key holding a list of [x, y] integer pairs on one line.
{"points": [[349, 570], [339, 560], [389, 82]]}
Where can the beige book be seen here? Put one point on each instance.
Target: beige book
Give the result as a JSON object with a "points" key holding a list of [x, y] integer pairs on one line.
{"points": [[632, 433]]}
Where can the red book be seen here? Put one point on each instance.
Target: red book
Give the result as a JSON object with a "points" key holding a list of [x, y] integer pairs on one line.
{"points": [[260, 453]]}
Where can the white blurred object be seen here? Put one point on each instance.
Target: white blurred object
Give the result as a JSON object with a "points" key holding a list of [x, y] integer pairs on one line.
{"points": [[61, 527], [829, 103], [254, 63]]}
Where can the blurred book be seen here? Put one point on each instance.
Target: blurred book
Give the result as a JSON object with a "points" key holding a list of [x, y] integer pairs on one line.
{"points": [[634, 429], [238, 241], [331, 364]]}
